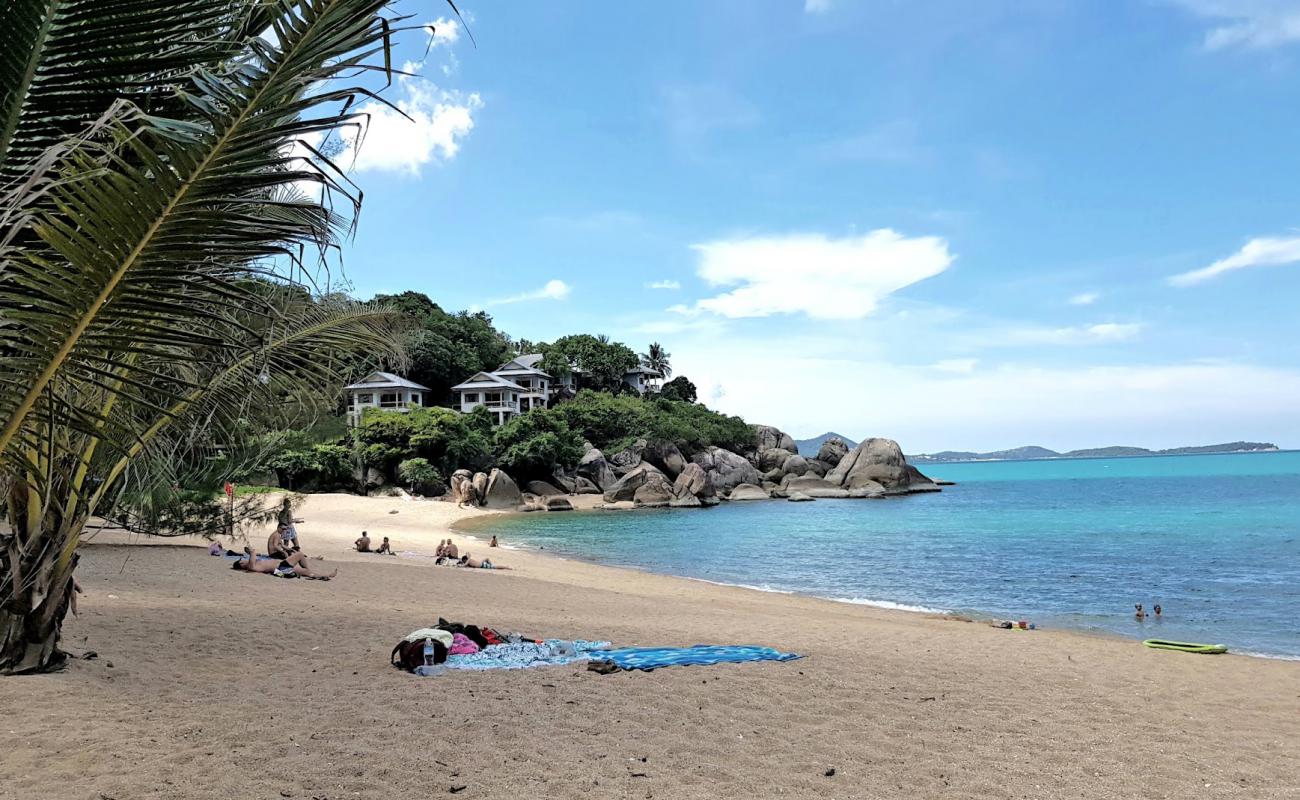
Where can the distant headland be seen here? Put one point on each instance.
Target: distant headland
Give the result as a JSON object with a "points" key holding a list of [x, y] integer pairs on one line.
{"points": [[1119, 451]]}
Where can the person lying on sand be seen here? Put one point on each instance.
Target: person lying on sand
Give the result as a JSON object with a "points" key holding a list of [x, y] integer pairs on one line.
{"points": [[467, 561], [385, 547], [295, 564], [363, 543]]}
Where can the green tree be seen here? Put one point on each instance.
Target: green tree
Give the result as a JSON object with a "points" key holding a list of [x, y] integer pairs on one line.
{"points": [[149, 171], [679, 388], [602, 363], [657, 359], [533, 444], [420, 476]]}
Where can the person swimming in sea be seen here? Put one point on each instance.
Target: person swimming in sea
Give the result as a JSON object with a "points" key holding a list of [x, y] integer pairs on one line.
{"points": [[1139, 614], [1156, 609]]}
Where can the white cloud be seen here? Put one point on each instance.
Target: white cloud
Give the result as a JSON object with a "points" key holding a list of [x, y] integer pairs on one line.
{"points": [[816, 6], [1099, 333], [1256, 24], [553, 290], [1261, 252], [669, 284], [443, 31], [815, 275], [1084, 298], [957, 366], [438, 121], [997, 405]]}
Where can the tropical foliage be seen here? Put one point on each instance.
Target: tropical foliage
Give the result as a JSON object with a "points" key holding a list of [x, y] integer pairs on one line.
{"points": [[657, 359], [153, 249], [679, 388], [602, 363]]}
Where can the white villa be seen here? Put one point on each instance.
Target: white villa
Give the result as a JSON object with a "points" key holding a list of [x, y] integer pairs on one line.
{"points": [[518, 386], [383, 390]]}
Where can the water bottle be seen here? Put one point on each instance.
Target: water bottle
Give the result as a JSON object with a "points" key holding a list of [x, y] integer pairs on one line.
{"points": [[428, 652]]}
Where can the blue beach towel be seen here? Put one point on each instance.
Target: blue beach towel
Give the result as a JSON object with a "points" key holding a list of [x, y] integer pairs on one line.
{"points": [[551, 653], [648, 658]]}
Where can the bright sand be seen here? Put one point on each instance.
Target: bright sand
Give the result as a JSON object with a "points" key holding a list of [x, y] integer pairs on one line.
{"points": [[229, 685]]}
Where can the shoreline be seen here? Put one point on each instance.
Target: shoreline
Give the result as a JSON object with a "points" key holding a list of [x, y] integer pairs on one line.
{"points": [[469, 525]]}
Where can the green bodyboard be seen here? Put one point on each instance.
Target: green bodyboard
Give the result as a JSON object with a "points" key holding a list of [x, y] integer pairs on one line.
{"points": [[1186, 647]]}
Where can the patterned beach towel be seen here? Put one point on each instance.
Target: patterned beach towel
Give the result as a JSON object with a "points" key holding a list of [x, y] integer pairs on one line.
{"points": [[551, 653], [648, 658]]}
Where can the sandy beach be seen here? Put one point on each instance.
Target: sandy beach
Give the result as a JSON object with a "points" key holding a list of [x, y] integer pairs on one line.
{"points": [[216, 684]]}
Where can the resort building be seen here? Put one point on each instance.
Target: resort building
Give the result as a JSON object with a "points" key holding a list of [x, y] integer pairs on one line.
{"points": [[383, 390], [519, 385], [499, 395]]}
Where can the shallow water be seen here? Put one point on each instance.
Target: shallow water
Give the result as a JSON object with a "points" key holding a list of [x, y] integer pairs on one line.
{"points": [[1068, 543]]}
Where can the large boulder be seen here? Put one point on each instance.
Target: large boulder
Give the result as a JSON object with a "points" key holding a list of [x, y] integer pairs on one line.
{"points": [[666, 457], [596, 469], [771, 458], [800, 497], [795, 465], [462, 487], [919, 483], [812, 487], [656, 492], [626, 487], [502, 492], [693, 482], [542, 489], [748, 491], [566, 482], [583, 486], [557, 503], [479, 484], [832, 450], [877, 462], [726, 469], [767, 437], [818, 468], [625, 460], [685, 501]]}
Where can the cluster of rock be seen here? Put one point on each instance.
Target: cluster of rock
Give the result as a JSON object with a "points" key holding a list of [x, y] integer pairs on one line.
{"points": [[497, 490], [657, 475]]}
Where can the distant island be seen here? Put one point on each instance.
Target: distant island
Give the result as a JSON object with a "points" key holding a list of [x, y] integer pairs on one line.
{"points": [[808, 448], [1119, 451]]}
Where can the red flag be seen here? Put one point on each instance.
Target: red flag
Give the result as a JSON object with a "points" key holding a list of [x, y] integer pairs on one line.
{"points": [[230, 489]]}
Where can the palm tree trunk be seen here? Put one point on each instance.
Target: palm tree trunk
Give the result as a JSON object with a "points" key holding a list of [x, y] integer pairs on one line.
{"points": [[36, 563]]}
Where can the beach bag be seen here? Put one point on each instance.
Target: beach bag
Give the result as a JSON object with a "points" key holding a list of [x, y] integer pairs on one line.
{"points": [[410, 654]]}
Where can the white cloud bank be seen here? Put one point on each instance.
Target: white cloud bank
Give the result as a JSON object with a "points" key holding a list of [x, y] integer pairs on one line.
{"points": [[1255, 24], [815, 275], [443, 31], [948, 406], [669, 284], [1261, 252], [1084, 298], [553, 290]]}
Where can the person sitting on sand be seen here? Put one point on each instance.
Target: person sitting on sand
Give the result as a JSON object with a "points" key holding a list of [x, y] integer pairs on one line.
{"points": [[363, 543], [1139, 614], [293, 566], [442, 549], [451, 551], [276, 546], [493, 543], [386, 548]]}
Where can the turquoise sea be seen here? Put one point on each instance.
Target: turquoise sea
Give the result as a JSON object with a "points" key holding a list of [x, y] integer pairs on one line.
{"points": [[1064, 543]]}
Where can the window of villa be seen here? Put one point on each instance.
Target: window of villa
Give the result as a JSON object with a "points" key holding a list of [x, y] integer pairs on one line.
{"points": [[492, 397], [417, 399], [389, 400], [471, 397], [365, 398]]}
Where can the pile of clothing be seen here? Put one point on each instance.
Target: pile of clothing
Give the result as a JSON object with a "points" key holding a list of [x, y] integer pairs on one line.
{"points": [[478, 648]]}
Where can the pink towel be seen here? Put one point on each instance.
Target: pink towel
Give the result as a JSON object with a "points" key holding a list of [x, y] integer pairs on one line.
{"points": [[461, 645]]}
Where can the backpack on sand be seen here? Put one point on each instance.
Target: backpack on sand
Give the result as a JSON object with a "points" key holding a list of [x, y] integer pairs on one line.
{"points": [[409, 655]]}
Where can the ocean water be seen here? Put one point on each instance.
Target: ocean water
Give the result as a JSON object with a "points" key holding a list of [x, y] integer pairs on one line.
{"points": [[1064, 543]]}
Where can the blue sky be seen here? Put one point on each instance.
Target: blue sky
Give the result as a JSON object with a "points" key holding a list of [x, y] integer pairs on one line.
{"points": [[960, 225]]}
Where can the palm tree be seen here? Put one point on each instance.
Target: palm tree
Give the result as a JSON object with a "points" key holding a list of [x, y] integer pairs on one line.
{"points": [[147, 154], [657, 359]]}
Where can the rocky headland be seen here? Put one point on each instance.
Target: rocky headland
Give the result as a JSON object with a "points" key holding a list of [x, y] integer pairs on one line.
{"points": [[657, 475]]}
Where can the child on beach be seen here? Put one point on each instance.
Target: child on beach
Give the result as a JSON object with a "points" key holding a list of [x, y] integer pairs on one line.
{"points": [[385, 548]]}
